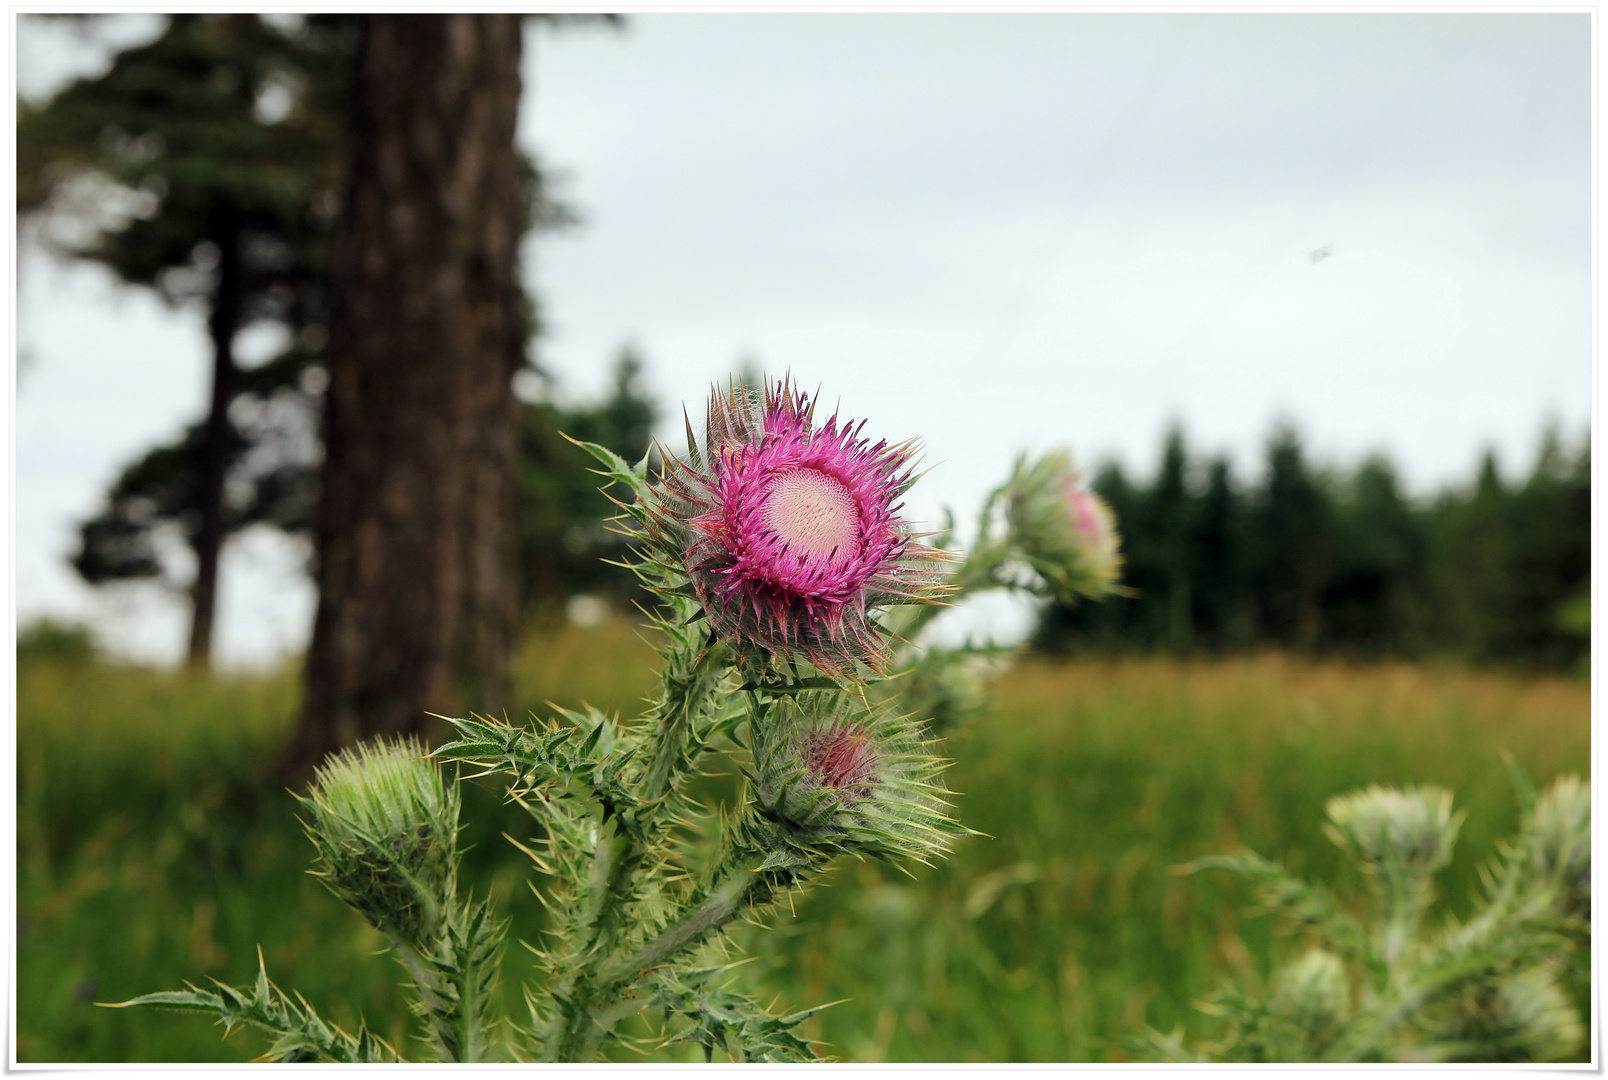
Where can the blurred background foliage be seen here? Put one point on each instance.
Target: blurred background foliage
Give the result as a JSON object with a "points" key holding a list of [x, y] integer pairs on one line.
{"points": [[566, 547]]}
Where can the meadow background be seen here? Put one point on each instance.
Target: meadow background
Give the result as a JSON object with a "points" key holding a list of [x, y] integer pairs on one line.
{"points": [[151, 852]]}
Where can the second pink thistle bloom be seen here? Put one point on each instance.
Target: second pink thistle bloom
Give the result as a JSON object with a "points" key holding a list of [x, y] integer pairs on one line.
{"points": [[832, 774], [789, 532], [1063, 531], [1092, 519]]}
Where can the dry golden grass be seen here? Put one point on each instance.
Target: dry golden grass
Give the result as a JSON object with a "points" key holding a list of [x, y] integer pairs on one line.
{"points": [[611, 666], [1439, 711]]}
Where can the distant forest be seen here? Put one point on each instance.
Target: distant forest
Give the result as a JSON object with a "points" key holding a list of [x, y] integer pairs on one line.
{"points": [[1337, 563]]}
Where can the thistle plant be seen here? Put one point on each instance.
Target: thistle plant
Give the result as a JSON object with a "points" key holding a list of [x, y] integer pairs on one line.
{"points": [[790, 594], [1390, 987]]}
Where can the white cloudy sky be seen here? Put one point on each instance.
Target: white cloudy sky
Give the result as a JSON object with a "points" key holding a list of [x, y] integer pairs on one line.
{"points": [[993, 231]]}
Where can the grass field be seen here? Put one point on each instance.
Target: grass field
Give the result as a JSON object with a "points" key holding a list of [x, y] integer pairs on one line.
{"points": [[149, 851]]}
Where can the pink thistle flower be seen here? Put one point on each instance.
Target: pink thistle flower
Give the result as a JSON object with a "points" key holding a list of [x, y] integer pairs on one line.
{"points": [[839, 757], [1065, 532], [1091, 518], [790, 532]]}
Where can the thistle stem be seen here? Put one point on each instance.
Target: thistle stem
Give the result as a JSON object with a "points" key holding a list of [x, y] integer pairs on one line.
{"points": [[978, 573], [694, 668], [569, 1033], [452, 1010], [1471, 956], [596, 1004], [1399, 1004], [728, 896], [692, 672]]}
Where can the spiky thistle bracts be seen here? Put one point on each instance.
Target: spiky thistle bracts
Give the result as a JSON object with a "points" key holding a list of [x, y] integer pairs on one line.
{"points": [[1377, 984], [831, 773], [1063, 531], [385, 826], [790, 532]]}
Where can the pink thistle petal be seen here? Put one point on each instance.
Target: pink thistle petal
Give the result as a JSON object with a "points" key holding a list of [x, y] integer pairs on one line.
{"points": [[839, 757], [790, 532]]}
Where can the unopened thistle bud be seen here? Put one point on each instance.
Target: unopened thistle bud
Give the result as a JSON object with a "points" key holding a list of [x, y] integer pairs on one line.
{"points": [[1066, 533], [1536, 1017], [833, 774], [1558, 834], [790, 532], [1521, 1016], [1313, 993], [1414, 827], [385, 826]]}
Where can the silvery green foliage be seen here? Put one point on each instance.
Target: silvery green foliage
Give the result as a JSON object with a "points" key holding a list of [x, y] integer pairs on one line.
{"points": [[1391, 988], [641, 880], [299, 1034]]}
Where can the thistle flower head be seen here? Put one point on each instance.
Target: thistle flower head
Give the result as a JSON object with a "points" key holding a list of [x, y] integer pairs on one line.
{"points": [[832, 773], [1066, 533], [789, 531], [385, 826], [1523, 1015], [1536, 1017], [1414, 827], [1091, 519], [1558, 834], [1313, 993]]}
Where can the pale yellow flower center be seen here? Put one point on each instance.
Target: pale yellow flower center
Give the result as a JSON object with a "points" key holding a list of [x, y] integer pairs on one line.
{"points": [[813, 513]]}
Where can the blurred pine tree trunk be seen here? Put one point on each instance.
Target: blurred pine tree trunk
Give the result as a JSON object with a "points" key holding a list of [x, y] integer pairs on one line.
{"points": [[415, 537], [223, 322]]}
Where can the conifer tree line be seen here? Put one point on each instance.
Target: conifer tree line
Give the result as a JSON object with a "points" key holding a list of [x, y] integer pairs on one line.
{"points": [[1332, 561]]}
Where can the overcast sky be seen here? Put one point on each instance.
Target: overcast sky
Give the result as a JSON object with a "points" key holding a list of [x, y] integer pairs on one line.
{"points": [[993, 231]]}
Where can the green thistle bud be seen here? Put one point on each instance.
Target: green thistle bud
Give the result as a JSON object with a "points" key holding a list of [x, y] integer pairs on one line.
{"points": [[386, 826], [1558, 834], [833, 774], [1386, 826], [1523, 1016], [1535, 1017], [1400, 838], [1313, 994], [1066, 533]]}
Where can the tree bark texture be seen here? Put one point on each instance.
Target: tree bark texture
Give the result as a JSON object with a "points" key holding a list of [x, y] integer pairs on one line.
{"points": [[415, 536]]}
